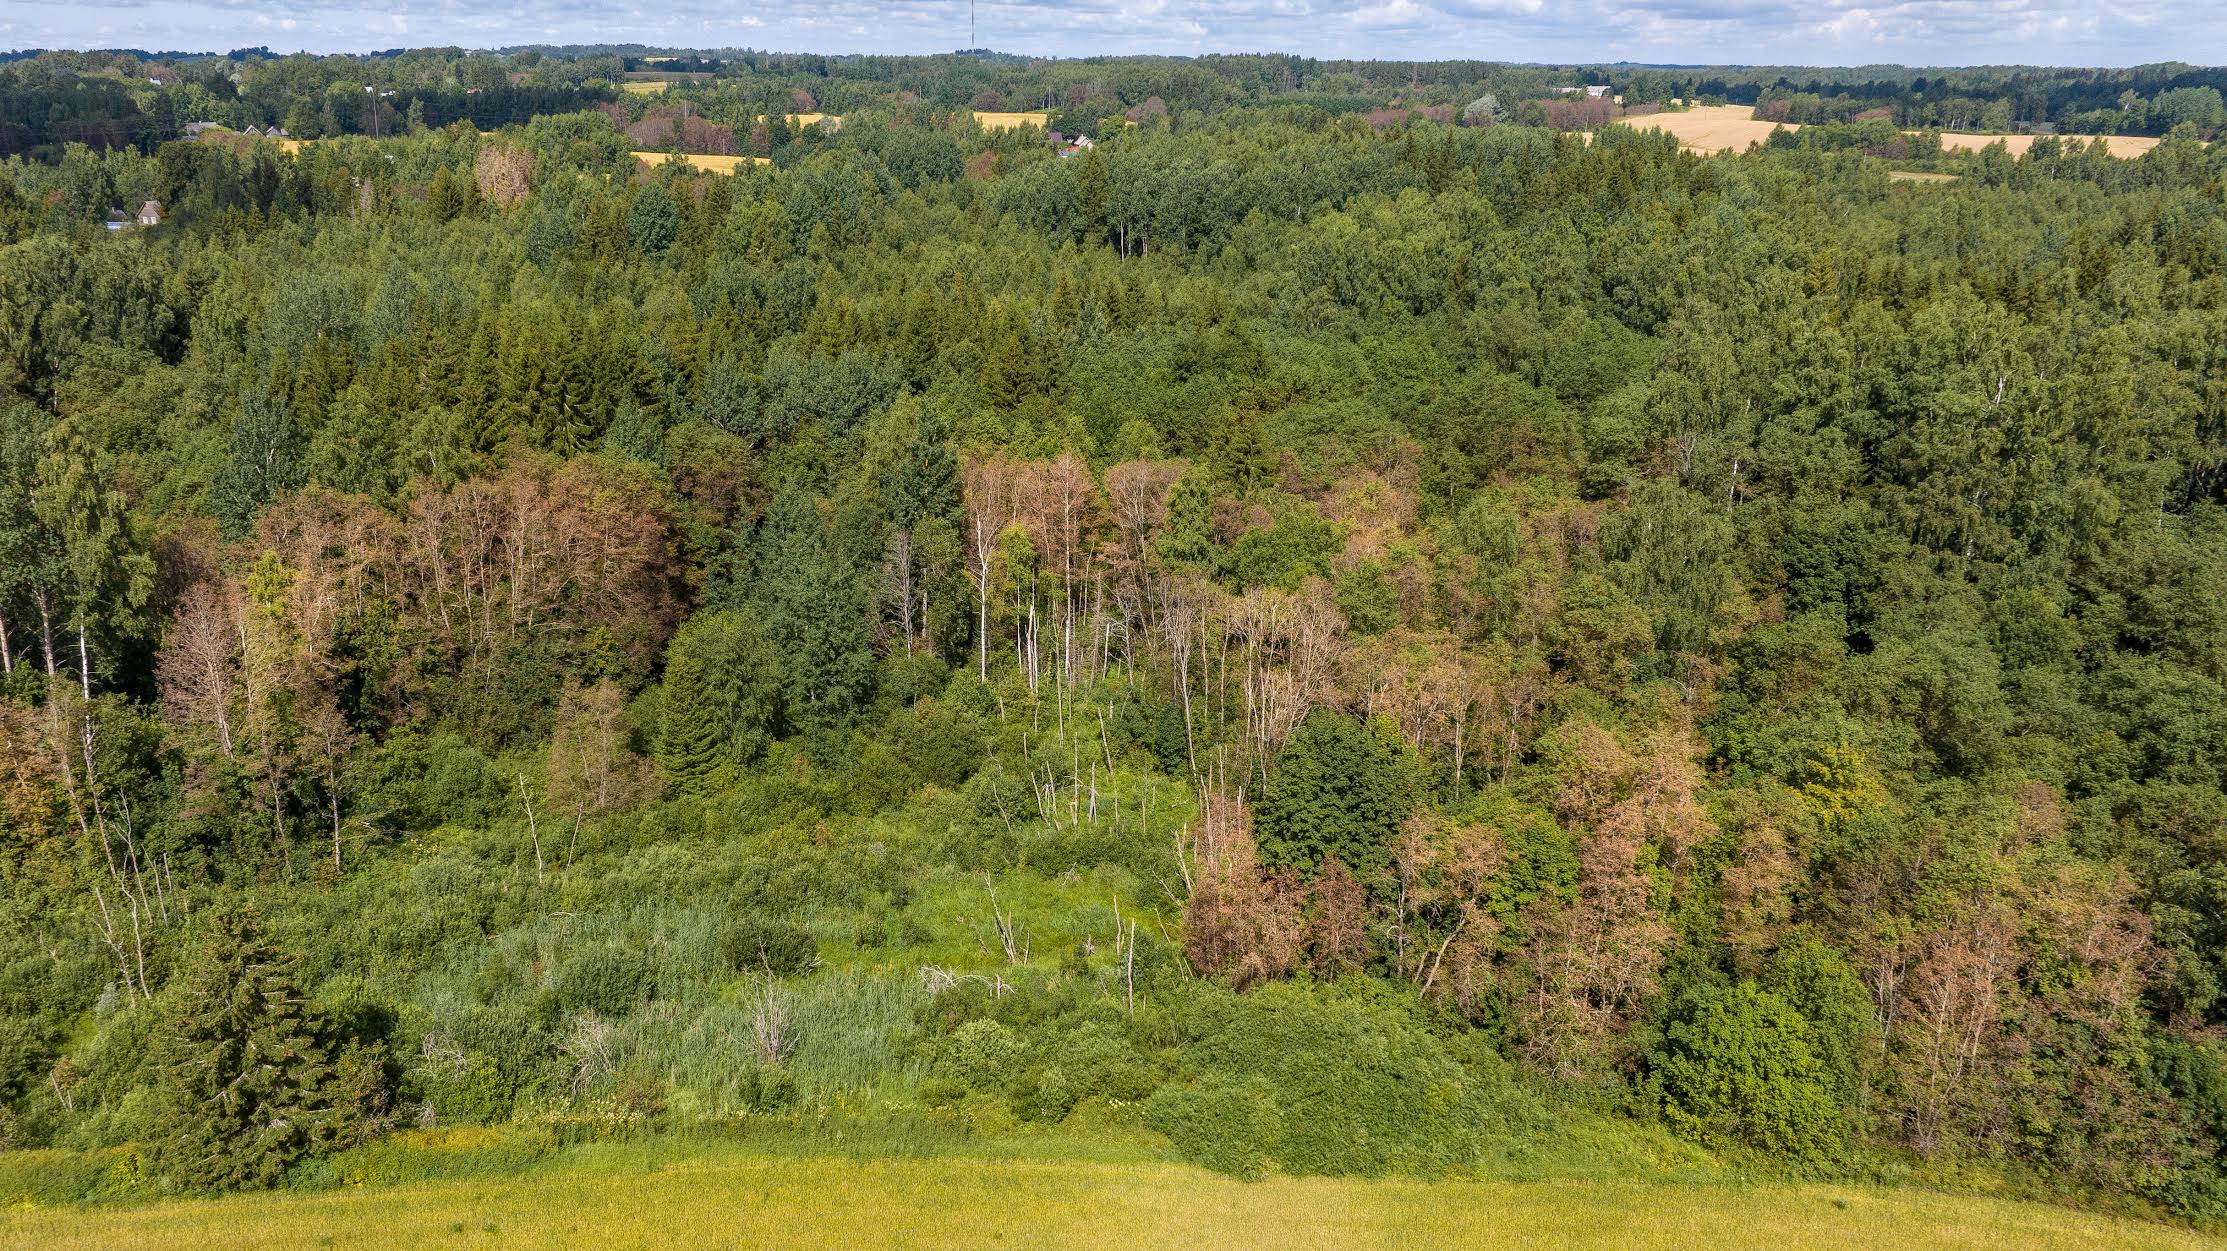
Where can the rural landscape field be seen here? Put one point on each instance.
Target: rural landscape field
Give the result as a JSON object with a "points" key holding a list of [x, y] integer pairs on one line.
{"points": [[638, 647]]}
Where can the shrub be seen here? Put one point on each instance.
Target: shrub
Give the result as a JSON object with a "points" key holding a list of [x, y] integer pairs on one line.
{"points": [[1738, 1067], [48, 1177], [1223, 1123], [1357, 1086], [751, 943], [602, 977], [980, 1055]]}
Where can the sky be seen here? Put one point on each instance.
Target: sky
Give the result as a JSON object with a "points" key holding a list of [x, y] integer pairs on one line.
{"points": [[1777, 32]]}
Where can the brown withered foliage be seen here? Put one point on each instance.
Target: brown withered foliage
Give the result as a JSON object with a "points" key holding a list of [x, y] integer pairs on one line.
{"points": [[1337, 921], [503, 173], [1238, 925]]}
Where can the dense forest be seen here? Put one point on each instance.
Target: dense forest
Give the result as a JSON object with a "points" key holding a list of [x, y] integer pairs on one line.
{"points": [[1355, 647]]}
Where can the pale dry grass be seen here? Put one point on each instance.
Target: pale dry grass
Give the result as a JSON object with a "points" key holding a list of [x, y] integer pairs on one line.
{"points": [[805, 1203], [2128, 146], [1710, 127], [646, 89], [1914, 175], [1010, 121], [716, 164]]}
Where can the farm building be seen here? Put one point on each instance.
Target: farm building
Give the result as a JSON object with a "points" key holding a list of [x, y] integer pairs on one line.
{"points": [[150, 214]]}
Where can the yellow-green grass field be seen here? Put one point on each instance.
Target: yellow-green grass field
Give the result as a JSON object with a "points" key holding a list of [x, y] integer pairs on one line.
{"points": [[739, 1199], [716, 164], [1010, 121]]}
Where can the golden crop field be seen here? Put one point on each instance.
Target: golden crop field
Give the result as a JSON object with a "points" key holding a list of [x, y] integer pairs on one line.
{"points": [[716, 164], [1710, 127], [1010, 121], [646, 88], [740, 1200], [2117, 145]]}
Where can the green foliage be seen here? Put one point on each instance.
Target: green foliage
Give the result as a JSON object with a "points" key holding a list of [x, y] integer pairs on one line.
{"points": [[751, 943], [246, 1081], [980, 1055], [653, 220], [1340, 789], [1738, 1066], [1318, 1083]]}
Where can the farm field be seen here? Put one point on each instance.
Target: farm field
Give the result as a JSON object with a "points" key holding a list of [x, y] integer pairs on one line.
{"points": [[1710, 128], [716, 164], [1010, 121], [753, 1200], [2128, 146], [646, 89]]}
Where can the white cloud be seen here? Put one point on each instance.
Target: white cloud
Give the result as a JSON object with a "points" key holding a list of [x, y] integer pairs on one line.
{"points": [[2104, 32]]}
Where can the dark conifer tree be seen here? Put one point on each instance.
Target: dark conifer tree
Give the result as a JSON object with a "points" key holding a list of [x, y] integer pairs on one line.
{"points": [[247, 1082]]}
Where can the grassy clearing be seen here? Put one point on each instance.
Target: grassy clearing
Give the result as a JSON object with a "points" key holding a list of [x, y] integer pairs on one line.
{"points": [[1710, 127], [716, 164], [2125, 146], [645, 89], [1010, 121], [742, 1199]]}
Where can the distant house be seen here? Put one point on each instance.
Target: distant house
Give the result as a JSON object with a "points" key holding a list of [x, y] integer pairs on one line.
{"points": [[150, 214], [276, 132], [1056, 139], [253, 132], [1081, 145], [1594, 91], [117, 220]]}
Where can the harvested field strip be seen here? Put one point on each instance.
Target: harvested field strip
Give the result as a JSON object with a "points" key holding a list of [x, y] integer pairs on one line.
{"points": [[716, 164]]}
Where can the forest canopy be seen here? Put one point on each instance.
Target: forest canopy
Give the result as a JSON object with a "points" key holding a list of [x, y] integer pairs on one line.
{"points": [[1339, 634]]}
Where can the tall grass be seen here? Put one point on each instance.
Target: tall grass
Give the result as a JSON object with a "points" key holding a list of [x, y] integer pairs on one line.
{"points": [[629, 1197]]}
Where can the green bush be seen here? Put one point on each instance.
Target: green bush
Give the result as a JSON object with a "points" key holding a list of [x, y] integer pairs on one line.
{"points": [[979, 1055], [1738, 1067], [602, 977], [1340, 789], [1224, 1123], [751, 943], [1358, 1087]]}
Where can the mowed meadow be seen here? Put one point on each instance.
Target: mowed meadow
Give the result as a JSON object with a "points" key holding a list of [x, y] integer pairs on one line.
{"points": [[621, 1199], [1712, 128]]}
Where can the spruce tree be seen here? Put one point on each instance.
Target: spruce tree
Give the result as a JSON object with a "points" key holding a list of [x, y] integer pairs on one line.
{"points": [[265, 460], [246, 1080], [1340, 789], [814, 608], [691, 745], [927, 482]]}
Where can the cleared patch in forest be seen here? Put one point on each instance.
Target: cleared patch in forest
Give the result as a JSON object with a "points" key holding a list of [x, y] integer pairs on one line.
{"points": [[2128, 146], [1710, 127], [716, 164], [1010, 121]]}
